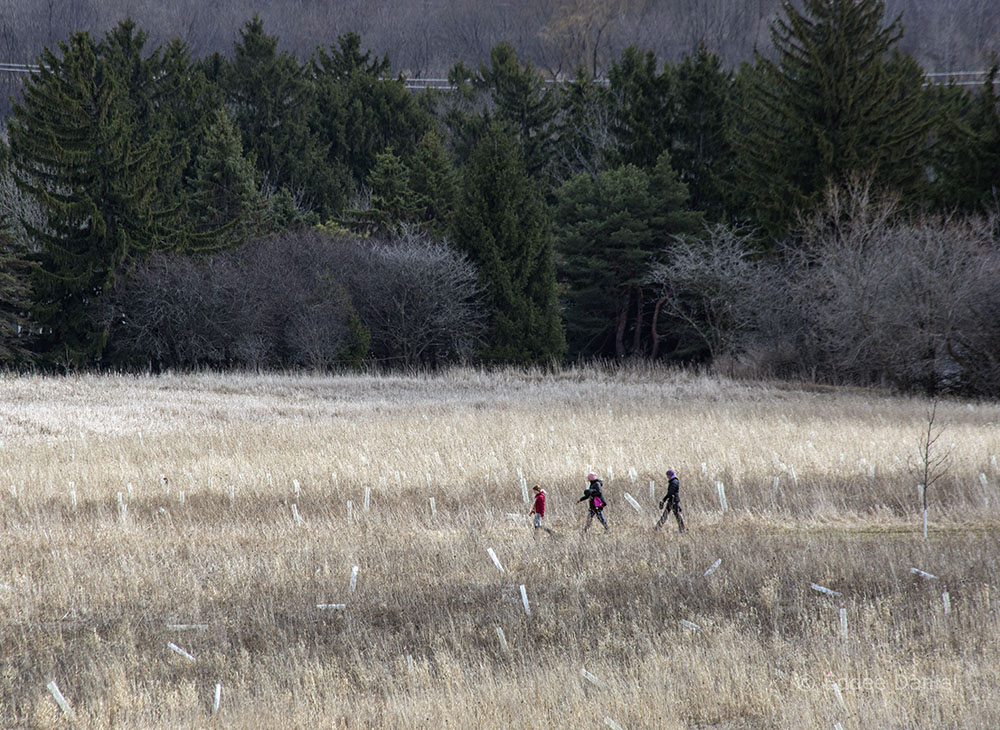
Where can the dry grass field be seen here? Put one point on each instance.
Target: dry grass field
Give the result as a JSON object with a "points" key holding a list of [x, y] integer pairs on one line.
{"points": [[140, 597]]}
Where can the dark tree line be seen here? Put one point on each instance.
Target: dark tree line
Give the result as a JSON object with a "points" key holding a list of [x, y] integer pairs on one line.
{"points": [[670, 210]]}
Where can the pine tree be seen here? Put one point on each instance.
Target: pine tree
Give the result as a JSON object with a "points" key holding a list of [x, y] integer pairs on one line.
{"points": [[836, 102], [434, 181], [644, 111], [15, 299], [76, 150], [502, 224], [609, 228], [274, 105], [226, 204], [362, 109], [702, 153]]}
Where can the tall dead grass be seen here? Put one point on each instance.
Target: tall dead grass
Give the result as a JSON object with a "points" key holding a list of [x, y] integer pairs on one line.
{"points": [[818, 488]]}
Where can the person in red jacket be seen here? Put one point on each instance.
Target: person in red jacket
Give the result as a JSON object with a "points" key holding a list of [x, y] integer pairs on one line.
{"points": [[538, 508]]}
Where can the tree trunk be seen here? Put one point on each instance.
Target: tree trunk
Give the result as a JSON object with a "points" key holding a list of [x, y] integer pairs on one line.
{"points": [[620, 328], [637, 338], [654, 333]]}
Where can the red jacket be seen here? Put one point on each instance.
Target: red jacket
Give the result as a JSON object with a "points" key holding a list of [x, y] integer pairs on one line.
{"points": [[539, 506]]}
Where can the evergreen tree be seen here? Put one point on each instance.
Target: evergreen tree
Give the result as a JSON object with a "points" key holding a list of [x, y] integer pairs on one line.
{"points": [[123, 49], [609, 228], [645, 101], [967, 151], [836, 102], [185, 105], [15, 298], [392, 199], [463, 111], [362, 110], [226, 204], [76, 150], [274, 104], [585, 139], [512, 93], [423, 192], [502, 224], [701, 152], [159, 98], [522, 100], [435, 183]]}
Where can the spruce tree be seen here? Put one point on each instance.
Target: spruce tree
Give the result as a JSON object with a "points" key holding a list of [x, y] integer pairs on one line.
{"points": [[645, 107], [966, 157], [123, 49], [521, 99], [585, 139], [225, 204], [76, 150], [502, 224], [835, 102], [362, 109], [434, 181], [184, 104], [274, 105], [392, 201], [15, 298], [511, 92], [702, 153], [160, 98]]}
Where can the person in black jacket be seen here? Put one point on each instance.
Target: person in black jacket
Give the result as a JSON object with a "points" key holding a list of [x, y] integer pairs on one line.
{"points": [[597, 501], [671, 502]]}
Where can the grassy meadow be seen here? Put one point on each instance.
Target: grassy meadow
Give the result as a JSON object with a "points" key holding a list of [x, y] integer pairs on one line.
{"points": [[174, 542]]}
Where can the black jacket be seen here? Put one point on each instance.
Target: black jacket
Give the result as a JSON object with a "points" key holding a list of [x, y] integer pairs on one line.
{"points": [[673, 492], [594, 490]]}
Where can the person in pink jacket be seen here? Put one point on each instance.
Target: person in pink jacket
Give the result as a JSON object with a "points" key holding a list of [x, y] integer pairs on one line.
{"points": [[538, 508], [597, 501]]}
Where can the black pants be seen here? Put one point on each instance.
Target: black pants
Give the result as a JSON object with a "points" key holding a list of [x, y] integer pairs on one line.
{"points": [[599, 515], [675, 507]]}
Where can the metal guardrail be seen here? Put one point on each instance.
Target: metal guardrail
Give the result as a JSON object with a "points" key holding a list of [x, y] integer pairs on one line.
{"points": [[421, 84], [958, 78], [21, 68]]}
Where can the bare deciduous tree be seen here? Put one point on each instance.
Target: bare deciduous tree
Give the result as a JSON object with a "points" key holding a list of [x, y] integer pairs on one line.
{"points": [[909, 301], [931, 462], [288, 301], [420, 301], [718, 289]]}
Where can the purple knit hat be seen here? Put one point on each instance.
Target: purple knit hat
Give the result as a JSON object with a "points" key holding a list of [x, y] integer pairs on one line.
{"points": [[670, 473]]}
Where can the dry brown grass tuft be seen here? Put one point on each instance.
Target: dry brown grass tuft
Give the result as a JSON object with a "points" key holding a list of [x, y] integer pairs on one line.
{"points": [[818, 491]]}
